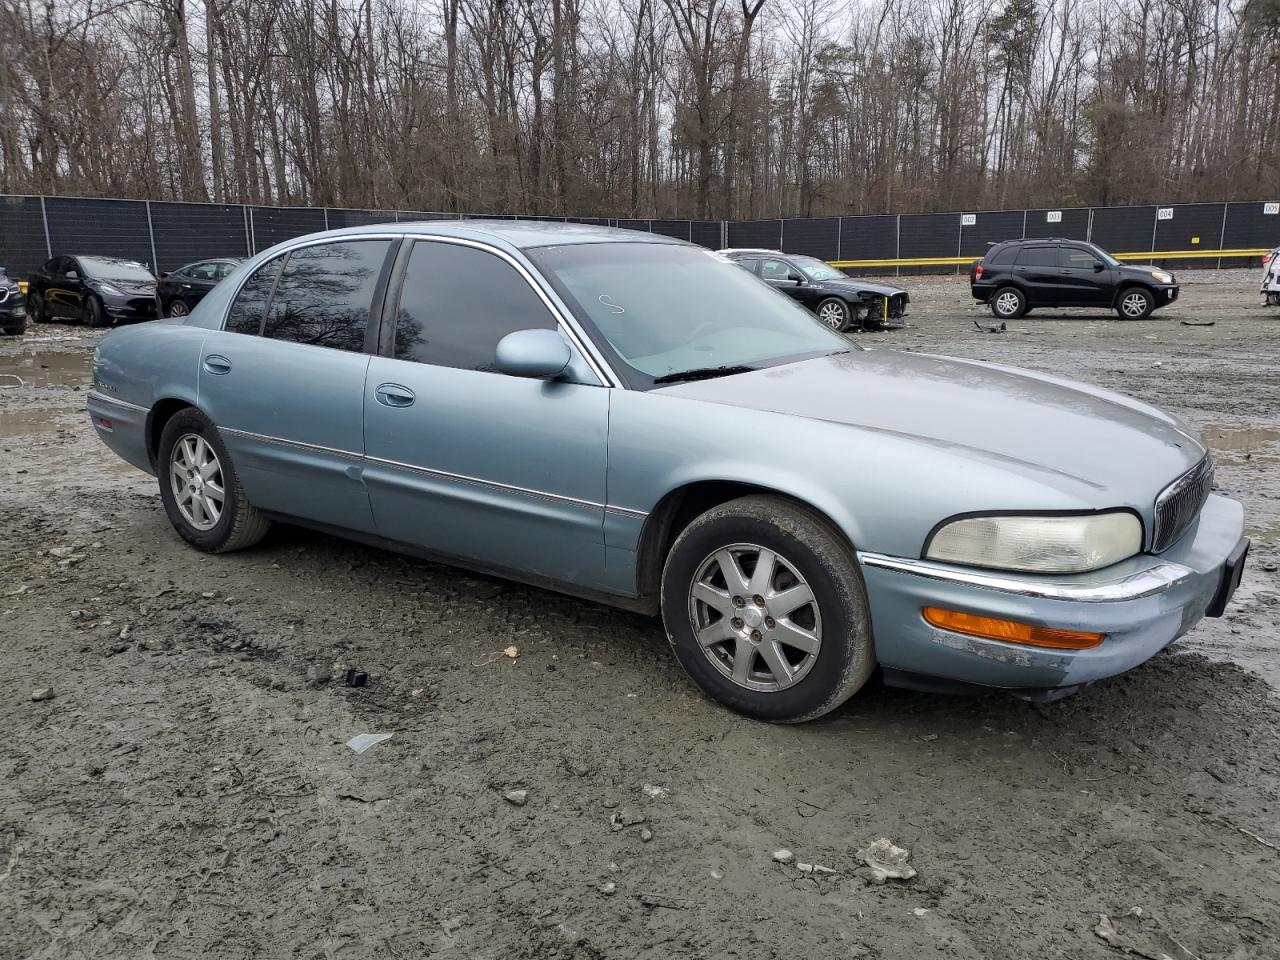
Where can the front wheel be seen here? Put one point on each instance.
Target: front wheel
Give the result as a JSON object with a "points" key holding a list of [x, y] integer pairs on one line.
{"points": [[835, 313], [200, 489], [178, 308], [1135, 304], [92, 314], [35, 309], [1009, 303], [766, 611]]}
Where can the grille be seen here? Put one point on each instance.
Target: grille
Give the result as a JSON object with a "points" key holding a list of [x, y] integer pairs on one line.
{"points": [[1180, 503]]}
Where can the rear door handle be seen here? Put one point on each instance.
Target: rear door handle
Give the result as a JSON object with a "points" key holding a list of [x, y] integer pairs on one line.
{"points": [[217, 364], [394, 395]]}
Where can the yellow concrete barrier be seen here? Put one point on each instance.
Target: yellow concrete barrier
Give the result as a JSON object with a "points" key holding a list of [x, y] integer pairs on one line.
{"points": [[1146, 255]]}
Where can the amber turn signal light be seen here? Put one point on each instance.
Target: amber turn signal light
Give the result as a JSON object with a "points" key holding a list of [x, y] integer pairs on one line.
{"points": [[1011, 631]]}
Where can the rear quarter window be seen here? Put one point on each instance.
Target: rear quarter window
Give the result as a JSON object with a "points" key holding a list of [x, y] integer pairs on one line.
{"points": [[1002, 256]]}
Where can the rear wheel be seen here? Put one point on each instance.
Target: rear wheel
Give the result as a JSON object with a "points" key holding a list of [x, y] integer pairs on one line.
{"points": [[178, 308], [92, 314], [1134, 303], [200, 489], [835, 313], [1009, 303], [766, 611]]}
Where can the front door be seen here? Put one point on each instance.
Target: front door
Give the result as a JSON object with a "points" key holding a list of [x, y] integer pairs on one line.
{"points": [[1081, 281], [463, 460], [784, 277], [284, 381]]}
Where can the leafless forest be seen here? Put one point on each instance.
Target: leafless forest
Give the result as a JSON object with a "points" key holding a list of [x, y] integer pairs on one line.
{"points": [[703, 108]]}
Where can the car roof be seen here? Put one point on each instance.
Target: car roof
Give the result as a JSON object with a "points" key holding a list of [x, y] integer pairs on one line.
{"points": [[730, 251], [523, 234]]}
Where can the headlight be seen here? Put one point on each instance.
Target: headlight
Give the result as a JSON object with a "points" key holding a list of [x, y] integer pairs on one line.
{"points": [[1162, 277], [110, 288], [1070, 544]]}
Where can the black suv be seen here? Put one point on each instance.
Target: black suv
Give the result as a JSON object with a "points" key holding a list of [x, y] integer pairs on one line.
{"points": [[1017, 275], [840, 301], [13, 306]]}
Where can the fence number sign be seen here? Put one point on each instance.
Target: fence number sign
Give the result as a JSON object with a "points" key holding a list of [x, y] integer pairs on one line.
{"points": [[1164, 213], [968, 219], [1053, 216], [1271, 208]]}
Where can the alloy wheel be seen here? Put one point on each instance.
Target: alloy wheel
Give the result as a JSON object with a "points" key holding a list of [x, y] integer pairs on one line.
{"points": [[195, 477], [755, 617], [832, 315], [1134, 305], [178, 309], [1007, 304]]}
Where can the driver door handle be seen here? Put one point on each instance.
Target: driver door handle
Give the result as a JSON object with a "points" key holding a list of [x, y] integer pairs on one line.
{"points": [[394, 395]]}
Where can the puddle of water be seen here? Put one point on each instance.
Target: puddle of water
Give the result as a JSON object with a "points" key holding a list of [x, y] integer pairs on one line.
{"points": [[46, 370], [1248, 440], [26, 423]]}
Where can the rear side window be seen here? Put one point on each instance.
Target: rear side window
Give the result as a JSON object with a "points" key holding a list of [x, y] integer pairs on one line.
{"points": [[457, 302], [251, 302], [325, 293], [1038, 257], [1003, 257]]}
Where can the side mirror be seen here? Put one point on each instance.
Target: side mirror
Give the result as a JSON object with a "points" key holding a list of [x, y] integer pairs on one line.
{"points": [[1098, 266], [795, 277], [537, 354]]}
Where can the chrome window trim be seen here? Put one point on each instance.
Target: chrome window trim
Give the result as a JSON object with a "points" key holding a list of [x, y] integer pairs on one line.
{"points": [[103, 398], [597, 363], [1144, 583], [443, 474]]}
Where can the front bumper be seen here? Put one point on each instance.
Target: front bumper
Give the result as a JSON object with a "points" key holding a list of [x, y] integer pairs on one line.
{"points": [[1142, 604], [131, 308]]}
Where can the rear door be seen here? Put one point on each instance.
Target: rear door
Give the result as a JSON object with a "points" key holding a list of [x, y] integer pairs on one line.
{"points": [[1081, 281], [1037, 269], [466, 461], [284, 379]]}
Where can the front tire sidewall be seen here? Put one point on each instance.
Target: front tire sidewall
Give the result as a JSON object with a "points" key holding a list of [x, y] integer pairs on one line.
{"points": [[846, 657], [216, 538]]}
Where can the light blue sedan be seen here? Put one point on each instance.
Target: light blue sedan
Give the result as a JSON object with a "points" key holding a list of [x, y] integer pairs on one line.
{"points": [[633, 420]]}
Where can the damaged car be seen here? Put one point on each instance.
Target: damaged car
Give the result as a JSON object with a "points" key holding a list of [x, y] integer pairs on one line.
{"points": [[623, 417], [840, 301]]}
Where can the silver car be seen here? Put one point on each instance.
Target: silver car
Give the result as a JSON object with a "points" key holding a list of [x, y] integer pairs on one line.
{"points": [[631, 419]]}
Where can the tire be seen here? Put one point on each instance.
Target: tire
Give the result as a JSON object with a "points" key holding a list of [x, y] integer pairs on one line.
{"points": [[1008, 303], [808, 554], [238, 523], [35, 309], [835, 313], [177, 308], [92, 314], [1134, 303]]}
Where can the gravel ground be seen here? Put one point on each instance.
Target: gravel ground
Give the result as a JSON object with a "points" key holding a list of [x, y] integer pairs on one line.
{"points": [[185, 789]]}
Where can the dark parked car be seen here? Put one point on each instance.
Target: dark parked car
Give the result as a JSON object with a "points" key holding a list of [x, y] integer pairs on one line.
{"points": [[182, 289], [13, 306], [97, 291], [840, 301], [1017, 275]]}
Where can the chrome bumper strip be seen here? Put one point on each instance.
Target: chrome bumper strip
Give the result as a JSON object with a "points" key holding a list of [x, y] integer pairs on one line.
{"points": [[1144, 583]]}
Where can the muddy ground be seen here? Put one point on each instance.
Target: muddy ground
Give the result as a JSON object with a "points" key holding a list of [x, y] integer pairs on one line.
{"points": [[187, 791]]}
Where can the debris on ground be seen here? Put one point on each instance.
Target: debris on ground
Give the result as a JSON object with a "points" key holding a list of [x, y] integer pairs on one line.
{"points": [[355, 678], [887, 861], [363, 741], [783, 856], [1138, 933], [517, 798], [626, 817], [608, 888], [511, 652], [653, 792], [41, 693], [1198, 323], [645, 834], [991, 327]]}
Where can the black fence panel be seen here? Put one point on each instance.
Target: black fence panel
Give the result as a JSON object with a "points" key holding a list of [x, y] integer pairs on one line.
{"points": [[986, 229], [813, 236], [1250, 225], [1070, 224], [706, 233], [340, 217], [764, 234], [672, 228], [23, 246], [271, 225], [868, 238], [1189, 225], [929, 235], [107, 228], [1123, 229], [410, 216], [186, 232], [642, 225]]}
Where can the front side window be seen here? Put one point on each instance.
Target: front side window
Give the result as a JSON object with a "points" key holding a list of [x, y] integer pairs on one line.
{"points": [[203, 271], [223, 270], [251, 302], [457, 302], [1038, 257], [775, 270], [816, 270], [1076, 258], [325, 293], [668, 311]]}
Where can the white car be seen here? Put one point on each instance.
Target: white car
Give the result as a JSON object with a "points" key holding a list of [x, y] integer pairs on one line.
{"points": [[1271, 278]]}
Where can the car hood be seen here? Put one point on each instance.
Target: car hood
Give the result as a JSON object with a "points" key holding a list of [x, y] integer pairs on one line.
{"points": [[858, 285], [1143, 270], [1080, 436]]}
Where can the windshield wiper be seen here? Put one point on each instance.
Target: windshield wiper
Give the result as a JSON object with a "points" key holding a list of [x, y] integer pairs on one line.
{"points": [[703, 373]]}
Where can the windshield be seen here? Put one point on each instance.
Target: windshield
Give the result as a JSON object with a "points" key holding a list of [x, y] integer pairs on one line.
{"points": [[661, 310], [1105, 257], [815, 269], [109, 268]]}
